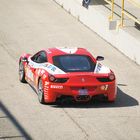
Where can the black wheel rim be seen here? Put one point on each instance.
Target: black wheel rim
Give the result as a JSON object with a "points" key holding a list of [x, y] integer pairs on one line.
{"points": [[40, 91], [21, 71]]}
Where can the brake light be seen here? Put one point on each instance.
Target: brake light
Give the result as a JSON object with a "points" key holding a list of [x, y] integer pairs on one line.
{"points": [[53, 79], [111, 77]]}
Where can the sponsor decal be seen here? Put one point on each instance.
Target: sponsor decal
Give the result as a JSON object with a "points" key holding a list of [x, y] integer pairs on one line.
{"points": [[29, 74], [46, 90], [44, 76], [46, 66], [46, 83], [101, 69], [83, 80], [48, 51], [68, 50], [56, 87], [42, 71], [51, 67], [104, 87], [38, 72]]}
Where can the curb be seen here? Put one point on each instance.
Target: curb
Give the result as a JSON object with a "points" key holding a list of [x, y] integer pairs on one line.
{"points": [[96, 21]]}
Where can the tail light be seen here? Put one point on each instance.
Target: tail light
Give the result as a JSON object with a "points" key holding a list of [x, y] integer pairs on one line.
{"points": [[111, 77], [53, 79]]}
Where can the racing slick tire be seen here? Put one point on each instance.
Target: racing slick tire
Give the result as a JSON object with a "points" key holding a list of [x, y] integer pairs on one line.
{"points": [[22, 72], [40, 91]]}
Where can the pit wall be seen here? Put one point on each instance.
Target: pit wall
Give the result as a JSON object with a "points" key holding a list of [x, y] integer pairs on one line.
{"points": [[99, 23]]}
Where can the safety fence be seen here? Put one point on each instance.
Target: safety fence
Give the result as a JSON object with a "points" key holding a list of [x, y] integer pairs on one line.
{"points": [[112, 8], [124, 12], [129, 15]]}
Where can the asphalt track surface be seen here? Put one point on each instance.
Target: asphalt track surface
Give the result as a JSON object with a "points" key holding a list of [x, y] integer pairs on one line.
{"points": [[30, 25]]}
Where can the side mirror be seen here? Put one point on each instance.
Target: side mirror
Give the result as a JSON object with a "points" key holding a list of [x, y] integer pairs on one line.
{"points": [[24, 59], [99, 58]]}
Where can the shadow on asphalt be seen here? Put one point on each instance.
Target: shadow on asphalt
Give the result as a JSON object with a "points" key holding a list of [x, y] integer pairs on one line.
{"points": [[93, 2], [105, 4], [123, 100], [22, 131], [98, 2]]}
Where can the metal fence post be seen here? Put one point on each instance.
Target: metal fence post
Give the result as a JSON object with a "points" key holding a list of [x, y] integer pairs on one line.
{"points": [[122, 14]]}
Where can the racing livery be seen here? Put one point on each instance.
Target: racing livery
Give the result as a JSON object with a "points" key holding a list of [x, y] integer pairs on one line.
{"points": [[67, 72]]}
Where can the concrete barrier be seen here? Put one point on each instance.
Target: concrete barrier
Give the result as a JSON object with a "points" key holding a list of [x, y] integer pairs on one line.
{"points": [[99, 23]]}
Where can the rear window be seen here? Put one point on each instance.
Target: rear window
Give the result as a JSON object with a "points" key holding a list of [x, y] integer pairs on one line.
{"points": [[74, 63]]}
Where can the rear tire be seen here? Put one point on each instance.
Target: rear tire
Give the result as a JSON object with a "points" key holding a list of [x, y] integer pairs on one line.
{"points": [[22, 72], [40, 91]]}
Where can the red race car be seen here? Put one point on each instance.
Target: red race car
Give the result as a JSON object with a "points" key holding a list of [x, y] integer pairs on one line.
{"points": [[67, 72]]}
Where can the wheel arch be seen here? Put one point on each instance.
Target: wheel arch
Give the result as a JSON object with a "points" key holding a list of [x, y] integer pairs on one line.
{"points": [[38, 81]]}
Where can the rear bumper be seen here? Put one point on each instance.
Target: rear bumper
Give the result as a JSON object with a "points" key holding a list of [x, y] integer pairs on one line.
{"points": [[81, 93]]}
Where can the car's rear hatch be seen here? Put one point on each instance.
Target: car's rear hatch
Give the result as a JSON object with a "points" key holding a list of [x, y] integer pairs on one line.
{"points": [[82, 79]]}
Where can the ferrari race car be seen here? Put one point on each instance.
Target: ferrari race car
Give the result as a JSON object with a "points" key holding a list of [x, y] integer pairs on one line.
{"points": [[67, 72]]}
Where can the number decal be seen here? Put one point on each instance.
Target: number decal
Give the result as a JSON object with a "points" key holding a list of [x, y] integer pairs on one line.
{"points": [[106, 87], [29, 74]]}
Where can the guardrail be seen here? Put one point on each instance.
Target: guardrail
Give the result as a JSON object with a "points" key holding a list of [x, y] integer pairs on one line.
{"points": [[124, 12], [111, 2]]}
